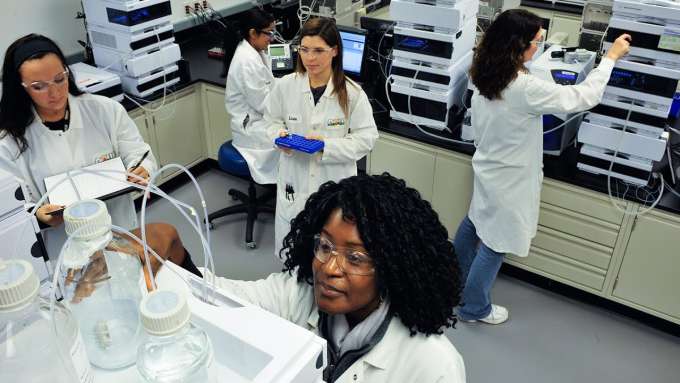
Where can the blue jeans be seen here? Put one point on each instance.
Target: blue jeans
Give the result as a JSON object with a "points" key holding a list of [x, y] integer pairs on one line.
{"points": [[479, 266]]}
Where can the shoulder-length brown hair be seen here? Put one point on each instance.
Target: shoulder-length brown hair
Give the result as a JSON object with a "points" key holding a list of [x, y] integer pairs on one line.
{"points": [[500, 54], [326, 29]]}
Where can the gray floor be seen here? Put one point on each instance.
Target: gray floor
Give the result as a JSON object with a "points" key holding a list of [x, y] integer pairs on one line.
{"points": [[549, 338]]}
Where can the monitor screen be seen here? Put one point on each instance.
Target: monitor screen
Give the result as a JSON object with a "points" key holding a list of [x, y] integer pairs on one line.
{"points": [[276, 51], [353, 45]]}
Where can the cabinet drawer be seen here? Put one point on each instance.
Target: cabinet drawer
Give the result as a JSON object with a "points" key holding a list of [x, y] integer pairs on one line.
{"points": [[578, 225], [577, 249], [582, 201], [560, 268]]}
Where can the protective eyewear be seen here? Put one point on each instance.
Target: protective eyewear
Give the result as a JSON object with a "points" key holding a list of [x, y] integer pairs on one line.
{"points": [[270, 34], [538, 43], [43, 86], [313, 51], [349, 260]]}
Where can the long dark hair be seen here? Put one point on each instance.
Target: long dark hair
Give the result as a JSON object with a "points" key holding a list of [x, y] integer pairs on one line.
{"points": [[326, 29], [499, 56], [15, 106], [255, 18], [415, 263]]}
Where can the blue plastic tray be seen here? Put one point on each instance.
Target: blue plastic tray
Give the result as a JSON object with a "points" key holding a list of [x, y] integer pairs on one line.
{"points": [[299, 143]]}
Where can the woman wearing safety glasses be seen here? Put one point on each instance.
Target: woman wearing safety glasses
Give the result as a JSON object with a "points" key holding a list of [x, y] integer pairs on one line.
{"points": [[249, 83], [370, 269], [318, 102], [48, 127], [506, 117]]}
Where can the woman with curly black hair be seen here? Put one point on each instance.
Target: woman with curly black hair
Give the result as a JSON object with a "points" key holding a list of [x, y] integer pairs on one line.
{"points": [[507, 106], [369, 268]]}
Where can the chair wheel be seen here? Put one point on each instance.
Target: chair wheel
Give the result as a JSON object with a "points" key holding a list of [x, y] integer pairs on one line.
{"points": [[232, 194], [251, 245]]}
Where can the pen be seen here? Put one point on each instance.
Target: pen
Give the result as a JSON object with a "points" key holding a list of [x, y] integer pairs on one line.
{"points": [[140, 161]]}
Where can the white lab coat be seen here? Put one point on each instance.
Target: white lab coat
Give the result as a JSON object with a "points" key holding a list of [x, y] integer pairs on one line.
{"points": [[397, 358], [291, 107], [99, 129], [508, 161], [249, 83]]}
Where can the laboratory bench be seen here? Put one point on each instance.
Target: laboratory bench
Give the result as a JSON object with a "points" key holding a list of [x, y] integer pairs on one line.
{"points": [[584, 242]]}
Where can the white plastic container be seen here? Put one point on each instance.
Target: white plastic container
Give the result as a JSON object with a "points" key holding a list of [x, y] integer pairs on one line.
{"points": [[174, 350], [28, 348], [103, 284]]}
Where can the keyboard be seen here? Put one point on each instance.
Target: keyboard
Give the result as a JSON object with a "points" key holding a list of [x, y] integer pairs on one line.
{"points": [[299, 143]]}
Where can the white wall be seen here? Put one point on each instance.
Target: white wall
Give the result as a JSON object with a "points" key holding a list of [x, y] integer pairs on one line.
{"points": [[56, 19], [52, 18]]}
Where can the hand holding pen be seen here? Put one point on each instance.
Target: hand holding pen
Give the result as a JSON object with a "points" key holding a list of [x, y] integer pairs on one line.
{"points": [[140, 171]]}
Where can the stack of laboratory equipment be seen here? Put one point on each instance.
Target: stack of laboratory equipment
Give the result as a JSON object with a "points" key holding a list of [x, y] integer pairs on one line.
{"points": [[174, 350], [19, 230], [625, 134], [32, 347], [103, 284], [135, 39], [432, 53], [564, 67]]}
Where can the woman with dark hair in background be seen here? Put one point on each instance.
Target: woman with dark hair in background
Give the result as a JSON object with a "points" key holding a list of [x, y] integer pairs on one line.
{"points": [[249, 82], [506, 116], [369, 268], [318, 102], [48, 127]]}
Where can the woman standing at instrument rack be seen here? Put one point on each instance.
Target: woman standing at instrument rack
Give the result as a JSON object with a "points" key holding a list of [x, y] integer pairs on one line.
{"points": [[506, 116]]}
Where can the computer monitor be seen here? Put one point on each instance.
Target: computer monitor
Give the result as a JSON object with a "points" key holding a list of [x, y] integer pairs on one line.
{"points": [[353, 48]]}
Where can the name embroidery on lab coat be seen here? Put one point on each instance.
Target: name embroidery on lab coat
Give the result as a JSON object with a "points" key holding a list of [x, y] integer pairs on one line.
{"points": [[293, 118], [333, 122], [104, 157]]}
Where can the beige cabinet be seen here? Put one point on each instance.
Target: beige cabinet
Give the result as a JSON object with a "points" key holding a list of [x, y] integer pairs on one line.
{"points": [[403, 159], [140, 119], [442, 177], [577, 233], [174, 129], [649, 277], [217, 124], [452, 189]]}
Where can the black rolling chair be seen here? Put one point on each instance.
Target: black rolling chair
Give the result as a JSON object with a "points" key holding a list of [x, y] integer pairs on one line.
{"points": [[231, 161]]}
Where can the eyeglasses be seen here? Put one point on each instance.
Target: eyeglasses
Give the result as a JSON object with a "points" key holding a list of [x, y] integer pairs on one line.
{"points": [[270, 34], [350, 261], [313, 52], [538, 43], [43, 86]]}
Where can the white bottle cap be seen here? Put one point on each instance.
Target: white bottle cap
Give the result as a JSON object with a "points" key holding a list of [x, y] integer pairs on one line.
{"points": [[90, 215], [164, 312], [18, 284]]}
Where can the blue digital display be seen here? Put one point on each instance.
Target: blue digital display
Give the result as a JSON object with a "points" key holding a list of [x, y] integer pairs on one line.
{"points": [[565, 75], [618, 73], [413, 43], [140, 15]]}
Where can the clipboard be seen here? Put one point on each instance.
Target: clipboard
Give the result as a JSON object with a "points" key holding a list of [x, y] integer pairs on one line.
{"points": [[90, 186]]}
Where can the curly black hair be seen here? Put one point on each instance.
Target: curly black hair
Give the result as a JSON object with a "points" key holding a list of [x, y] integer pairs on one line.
{"points": [[415, 263], [499, 56]]}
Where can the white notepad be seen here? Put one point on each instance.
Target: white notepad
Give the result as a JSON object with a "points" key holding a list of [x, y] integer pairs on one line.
{"points": [[90, 186]]}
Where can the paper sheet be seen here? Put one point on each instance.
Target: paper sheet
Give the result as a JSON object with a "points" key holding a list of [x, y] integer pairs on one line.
{"points": [[89, 185]]}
